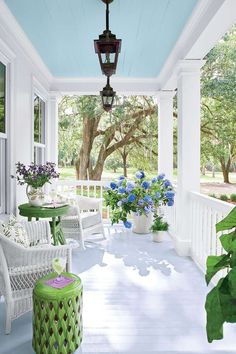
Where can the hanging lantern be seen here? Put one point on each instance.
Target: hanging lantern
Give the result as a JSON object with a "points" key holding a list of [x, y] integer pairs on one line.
{"points": [[107, 95], [107, 47]]}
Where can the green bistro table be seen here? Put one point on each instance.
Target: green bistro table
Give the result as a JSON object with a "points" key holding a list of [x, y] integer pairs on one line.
{"points": [[54, 213], [57, 316]]}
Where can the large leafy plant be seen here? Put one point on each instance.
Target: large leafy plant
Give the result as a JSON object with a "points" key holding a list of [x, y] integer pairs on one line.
{"points": [[221, 300], [139, 196]]}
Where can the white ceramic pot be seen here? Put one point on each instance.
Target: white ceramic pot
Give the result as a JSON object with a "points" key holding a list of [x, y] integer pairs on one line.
{"points": [[142, 223], [35, 196], [158, 236]]}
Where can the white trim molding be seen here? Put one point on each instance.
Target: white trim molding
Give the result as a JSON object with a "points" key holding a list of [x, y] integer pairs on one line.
{"points": [[11, 26], [189, 66], [7, 55], [92, 86], [165, 95], [199, 22]]}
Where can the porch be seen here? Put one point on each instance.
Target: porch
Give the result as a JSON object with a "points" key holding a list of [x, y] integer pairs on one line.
{"points": [[139, 297]]}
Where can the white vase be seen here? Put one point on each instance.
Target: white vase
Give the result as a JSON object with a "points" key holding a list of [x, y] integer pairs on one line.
{"points": [[35, 196], [158, 236], [142, 223]]}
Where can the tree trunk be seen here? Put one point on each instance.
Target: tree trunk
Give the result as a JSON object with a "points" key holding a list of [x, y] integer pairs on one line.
{"points": [[213, 171], [125, 168], [89, 133], [226, 176], [203, 170], [124, 158], [84, 168], [96, 173], [225, 169]]}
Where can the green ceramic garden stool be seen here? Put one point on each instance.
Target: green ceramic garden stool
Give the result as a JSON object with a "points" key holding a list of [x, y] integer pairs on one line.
{"points": [[57, 316]]}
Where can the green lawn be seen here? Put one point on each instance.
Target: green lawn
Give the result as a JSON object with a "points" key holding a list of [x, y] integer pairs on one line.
{"points": [[69, 172]]}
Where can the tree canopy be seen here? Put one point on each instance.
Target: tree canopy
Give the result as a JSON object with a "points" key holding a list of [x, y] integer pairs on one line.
{"points": [[88, 135], [218, 125]]}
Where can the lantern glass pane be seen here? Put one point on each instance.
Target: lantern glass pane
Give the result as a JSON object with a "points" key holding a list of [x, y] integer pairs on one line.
{"points": [[108, 58], [108, 100]]}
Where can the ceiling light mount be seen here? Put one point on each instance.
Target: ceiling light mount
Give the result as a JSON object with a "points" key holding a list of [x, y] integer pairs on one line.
{"points": [[108, 48]]}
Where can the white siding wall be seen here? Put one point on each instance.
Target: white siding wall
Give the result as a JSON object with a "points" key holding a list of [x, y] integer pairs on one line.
{"points": [[23, 75]]}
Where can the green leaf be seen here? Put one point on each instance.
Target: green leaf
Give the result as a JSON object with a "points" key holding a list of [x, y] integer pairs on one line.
{"points": [[214, 264], [233, 257], [232, 282], [228, 222], [215, 318], [227, 239]]}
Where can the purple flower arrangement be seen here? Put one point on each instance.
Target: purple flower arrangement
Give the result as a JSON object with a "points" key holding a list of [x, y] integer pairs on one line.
{"points": [[139, 196], [35, 175]]}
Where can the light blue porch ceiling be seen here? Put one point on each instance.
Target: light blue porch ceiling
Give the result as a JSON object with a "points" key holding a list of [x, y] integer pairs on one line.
{"points": [[62, 31]]}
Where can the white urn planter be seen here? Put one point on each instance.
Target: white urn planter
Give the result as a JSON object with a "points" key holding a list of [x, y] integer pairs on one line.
{"points": [[142, 223], [158, 236], [35, 196]]}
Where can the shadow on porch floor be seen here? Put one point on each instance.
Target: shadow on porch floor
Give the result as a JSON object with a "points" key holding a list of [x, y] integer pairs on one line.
{"points": [[139, 297]]}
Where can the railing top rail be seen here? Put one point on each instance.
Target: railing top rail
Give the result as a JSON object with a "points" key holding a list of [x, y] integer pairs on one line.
{"points": [[210, 202], [74, 182]]}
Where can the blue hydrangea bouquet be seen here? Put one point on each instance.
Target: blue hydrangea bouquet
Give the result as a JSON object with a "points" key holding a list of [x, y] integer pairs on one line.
{"points": [[139, 196]]}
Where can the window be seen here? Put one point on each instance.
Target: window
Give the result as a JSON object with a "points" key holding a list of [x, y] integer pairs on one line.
{"points": [[3, 138], [2, 98], [39, 130]]}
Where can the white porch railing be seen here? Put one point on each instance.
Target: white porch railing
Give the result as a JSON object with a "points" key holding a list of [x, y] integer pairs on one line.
{"points": [[85, 188], [205, 213]]}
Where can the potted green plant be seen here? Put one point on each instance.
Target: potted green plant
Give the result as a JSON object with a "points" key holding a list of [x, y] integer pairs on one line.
{"points": [[221, 300], [159, 228]]}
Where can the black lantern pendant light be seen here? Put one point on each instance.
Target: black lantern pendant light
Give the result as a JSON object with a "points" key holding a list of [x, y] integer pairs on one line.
{"points": [[108, 96], [107, 47]]}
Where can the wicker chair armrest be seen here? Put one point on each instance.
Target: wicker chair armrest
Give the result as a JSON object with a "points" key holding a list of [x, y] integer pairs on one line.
{"points": [[47, 253]]}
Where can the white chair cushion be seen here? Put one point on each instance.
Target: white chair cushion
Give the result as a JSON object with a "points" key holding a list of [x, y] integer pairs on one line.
{"points": [[90, 219], [15, 231], [88, 203]]}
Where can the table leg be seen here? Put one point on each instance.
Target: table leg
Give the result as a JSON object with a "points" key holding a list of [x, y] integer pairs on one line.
{"points": [[54, 231], [61, 237]]}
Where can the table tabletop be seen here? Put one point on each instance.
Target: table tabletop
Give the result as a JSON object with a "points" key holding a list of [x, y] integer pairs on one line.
{"points": [[42, 212], [46, 291]]}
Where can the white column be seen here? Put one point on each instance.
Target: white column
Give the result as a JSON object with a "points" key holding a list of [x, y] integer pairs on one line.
{"points": [[188, 84], [165, 133], [52, 136]]}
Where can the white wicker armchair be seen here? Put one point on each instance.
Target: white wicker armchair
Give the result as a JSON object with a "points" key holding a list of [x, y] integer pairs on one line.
{"points": [[84, 218], [20, 267]]}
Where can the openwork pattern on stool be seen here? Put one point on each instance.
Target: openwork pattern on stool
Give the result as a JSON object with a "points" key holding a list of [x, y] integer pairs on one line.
{"points": [[57, 324]]}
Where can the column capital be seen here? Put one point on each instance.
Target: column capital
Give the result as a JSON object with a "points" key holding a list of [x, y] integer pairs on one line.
{"points": [[165, 95], [55, 96], [189, 66]]}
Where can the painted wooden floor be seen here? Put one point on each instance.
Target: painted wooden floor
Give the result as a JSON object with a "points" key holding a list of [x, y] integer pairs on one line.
{"points": [[139, 297]]}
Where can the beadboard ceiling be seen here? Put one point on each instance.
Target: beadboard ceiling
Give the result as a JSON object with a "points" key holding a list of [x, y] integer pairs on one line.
{"points": [[62, 32]]}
